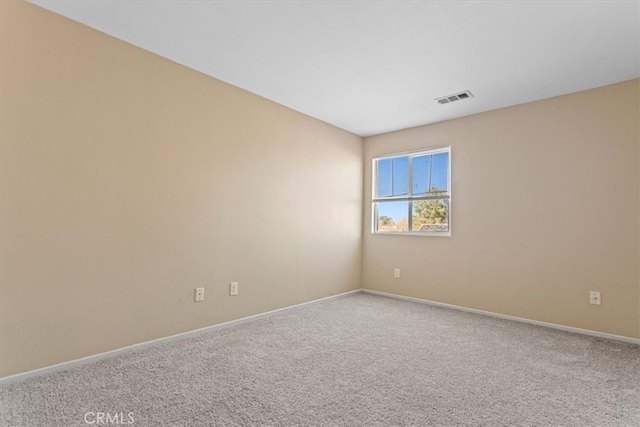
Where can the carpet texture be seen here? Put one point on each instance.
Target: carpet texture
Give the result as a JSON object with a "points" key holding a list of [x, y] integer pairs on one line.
{"points": [[360, 360]]}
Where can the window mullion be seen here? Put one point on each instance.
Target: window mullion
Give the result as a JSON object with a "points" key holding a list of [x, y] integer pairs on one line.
{"points": [[393, 177], [410, 194], [430, 170], [410, 180]]}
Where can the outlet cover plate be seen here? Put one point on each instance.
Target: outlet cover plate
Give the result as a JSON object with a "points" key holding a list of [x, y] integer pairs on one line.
{"points": [[233, 288]]}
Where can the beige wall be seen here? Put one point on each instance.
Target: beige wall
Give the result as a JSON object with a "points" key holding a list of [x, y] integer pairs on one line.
{"points": [[545, 208], [129, 180]]}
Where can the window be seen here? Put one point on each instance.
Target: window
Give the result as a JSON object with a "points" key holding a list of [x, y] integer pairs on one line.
{"points": [[412, 193]]}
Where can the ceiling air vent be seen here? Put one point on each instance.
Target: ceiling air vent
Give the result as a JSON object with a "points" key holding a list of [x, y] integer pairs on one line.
{"points": [[455, 97]]}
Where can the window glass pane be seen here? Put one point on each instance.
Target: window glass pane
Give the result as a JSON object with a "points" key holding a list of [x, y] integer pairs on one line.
{"points": [[421, 167], [430, 215], [440, 173], [429, 177], [392, 216], [384, 178], [400, 176]]}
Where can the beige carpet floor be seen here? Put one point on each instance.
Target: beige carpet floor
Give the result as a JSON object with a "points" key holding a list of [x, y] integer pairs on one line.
{"points": [[360, 360]]}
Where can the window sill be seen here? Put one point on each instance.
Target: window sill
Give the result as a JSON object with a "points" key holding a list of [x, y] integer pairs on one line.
{"points": [[411, 233]]}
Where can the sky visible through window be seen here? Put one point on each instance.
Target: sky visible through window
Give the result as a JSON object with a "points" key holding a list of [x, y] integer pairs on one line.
{"points": [[428, 171]]}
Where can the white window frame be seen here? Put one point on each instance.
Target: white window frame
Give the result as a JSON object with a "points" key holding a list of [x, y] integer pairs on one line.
{"points": [[409, 197]]}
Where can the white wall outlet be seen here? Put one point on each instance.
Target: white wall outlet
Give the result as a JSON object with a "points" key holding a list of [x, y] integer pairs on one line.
{"points": [[594, 298], [233, 288], [396, 273], [199, 294]]}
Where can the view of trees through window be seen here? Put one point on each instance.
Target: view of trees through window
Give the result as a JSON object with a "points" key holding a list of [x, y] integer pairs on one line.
{"points": [[428, 215], [413, 192]]}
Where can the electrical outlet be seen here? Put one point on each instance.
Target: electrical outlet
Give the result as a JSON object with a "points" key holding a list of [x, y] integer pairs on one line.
{"points": [[594, 298], [199, 294], [233, 288], [396, 273]]}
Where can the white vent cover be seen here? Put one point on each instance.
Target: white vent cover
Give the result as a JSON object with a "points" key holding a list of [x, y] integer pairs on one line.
{"points": [[455, 97]]}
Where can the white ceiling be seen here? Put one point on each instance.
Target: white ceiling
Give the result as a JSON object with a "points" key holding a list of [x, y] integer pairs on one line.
{"points": [[376, 66]]}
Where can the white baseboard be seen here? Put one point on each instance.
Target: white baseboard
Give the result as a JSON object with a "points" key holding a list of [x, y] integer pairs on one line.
{"points": [[507, 317], [93, 358]]}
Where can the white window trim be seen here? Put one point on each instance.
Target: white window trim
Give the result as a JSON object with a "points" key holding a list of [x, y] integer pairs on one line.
{"points": [[409, 198]]}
